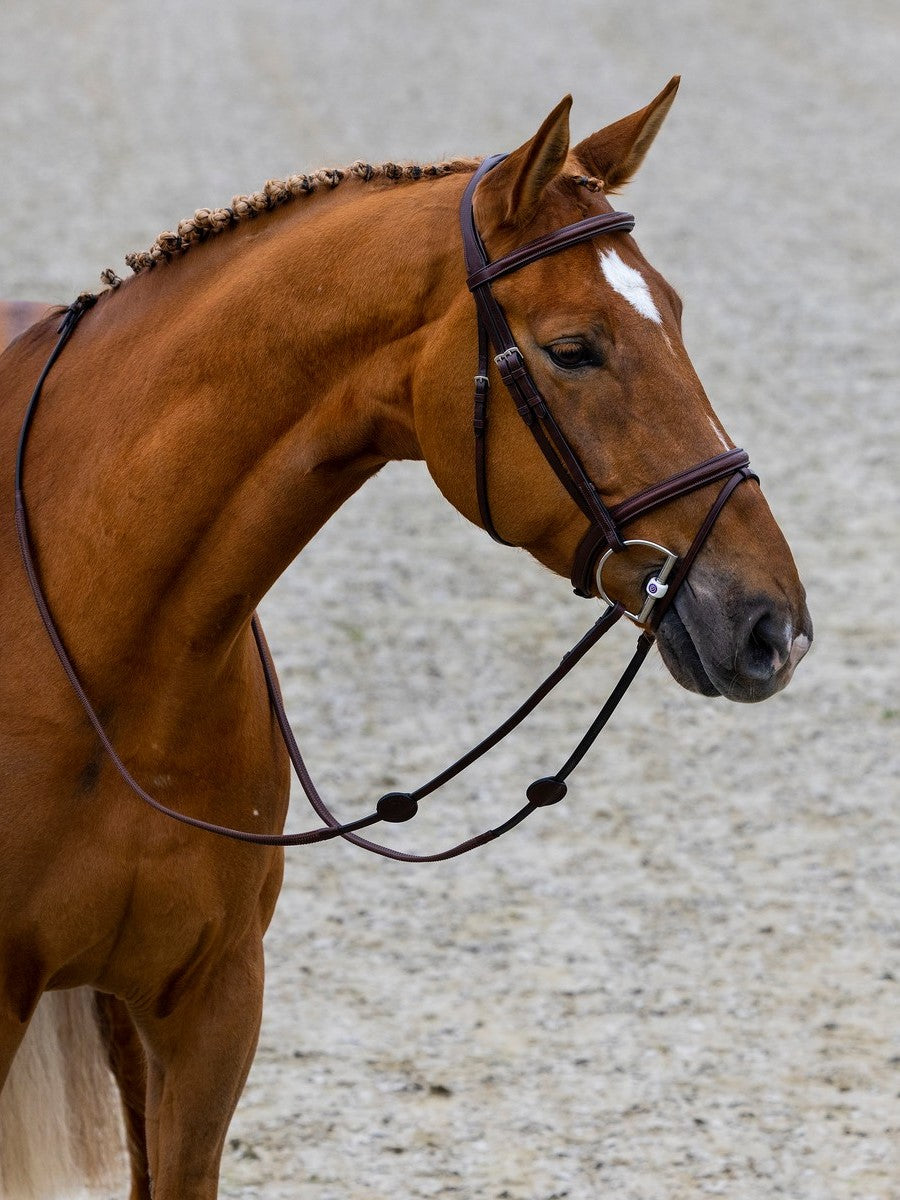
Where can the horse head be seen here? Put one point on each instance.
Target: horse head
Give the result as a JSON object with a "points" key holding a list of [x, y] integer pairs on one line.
{"points": [[600, 332]]}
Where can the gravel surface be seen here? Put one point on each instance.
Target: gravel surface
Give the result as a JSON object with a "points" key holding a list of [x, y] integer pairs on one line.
{"points": [[686, 980]]}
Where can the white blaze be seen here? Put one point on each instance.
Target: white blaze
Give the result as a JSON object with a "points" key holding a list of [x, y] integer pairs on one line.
{"points": [[629, 283], [718, 432]]}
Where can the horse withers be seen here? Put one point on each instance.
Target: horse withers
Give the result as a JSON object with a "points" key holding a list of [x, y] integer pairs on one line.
{"points": [[205, 420]]}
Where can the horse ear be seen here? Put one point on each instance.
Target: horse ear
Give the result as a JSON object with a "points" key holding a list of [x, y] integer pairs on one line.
{"points": [[614, 154], [510, 193]]}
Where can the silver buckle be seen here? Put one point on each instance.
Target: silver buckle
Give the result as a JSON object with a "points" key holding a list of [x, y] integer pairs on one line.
{"points": [[656, 587]]}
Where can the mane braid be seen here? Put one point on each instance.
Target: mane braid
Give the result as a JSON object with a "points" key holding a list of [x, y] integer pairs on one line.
{"points": [[206, 222]]}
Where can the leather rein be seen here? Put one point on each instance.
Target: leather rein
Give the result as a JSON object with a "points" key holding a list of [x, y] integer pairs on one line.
{"points": [[602, 539]]}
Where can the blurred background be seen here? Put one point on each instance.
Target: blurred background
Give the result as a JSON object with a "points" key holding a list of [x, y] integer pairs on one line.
{"points": [[686, 980]]}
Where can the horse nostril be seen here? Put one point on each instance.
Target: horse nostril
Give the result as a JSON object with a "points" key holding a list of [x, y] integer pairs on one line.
{"points": [[768, 647]]}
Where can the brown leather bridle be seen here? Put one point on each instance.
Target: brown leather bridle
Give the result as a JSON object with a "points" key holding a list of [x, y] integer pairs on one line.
{"points": [[602, 539], [604, 531]]}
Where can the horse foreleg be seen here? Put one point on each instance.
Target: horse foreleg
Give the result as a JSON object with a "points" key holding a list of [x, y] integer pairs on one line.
{"points": [[128, 1064], [12, 1030], [198, 1059]]}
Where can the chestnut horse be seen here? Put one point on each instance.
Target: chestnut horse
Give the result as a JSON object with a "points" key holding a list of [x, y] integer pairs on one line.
{"points": [[204, 422]]}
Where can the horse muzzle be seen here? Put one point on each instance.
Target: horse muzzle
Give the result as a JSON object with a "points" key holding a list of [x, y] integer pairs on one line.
{"points": [[720, 642]]}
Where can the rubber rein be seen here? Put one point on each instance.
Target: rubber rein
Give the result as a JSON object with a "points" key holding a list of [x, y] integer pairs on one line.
{"points": [[603, 539]]}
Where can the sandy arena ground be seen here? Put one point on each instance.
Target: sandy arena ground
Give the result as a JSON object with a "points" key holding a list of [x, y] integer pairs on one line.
{"points": [[686, 981]]}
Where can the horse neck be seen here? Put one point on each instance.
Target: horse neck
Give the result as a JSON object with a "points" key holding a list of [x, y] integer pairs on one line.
{"points": [[244, 392]]}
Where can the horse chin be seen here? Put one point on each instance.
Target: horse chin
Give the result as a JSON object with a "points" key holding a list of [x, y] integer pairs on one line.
{"points": [[681, 656]]}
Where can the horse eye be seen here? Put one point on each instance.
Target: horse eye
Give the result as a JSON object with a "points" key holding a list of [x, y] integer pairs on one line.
{"points": [[572, 354]]}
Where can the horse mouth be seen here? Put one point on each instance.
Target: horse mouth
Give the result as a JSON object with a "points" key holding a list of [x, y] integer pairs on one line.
{"points": [[745, 649], [681, 656]]}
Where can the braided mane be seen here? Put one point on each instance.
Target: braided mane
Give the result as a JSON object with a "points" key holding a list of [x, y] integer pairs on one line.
{"points": [[206, 222], [209, 221]]}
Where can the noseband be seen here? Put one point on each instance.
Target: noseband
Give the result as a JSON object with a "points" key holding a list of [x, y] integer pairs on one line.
{"points": [[602, 540]]}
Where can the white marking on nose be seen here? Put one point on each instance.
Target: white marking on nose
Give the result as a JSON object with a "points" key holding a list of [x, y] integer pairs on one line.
{"points": [[799, 647], [629, 283]]}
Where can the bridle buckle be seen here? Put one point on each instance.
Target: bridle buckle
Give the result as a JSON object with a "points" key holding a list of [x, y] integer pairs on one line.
{"points": [[656, 587]]}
